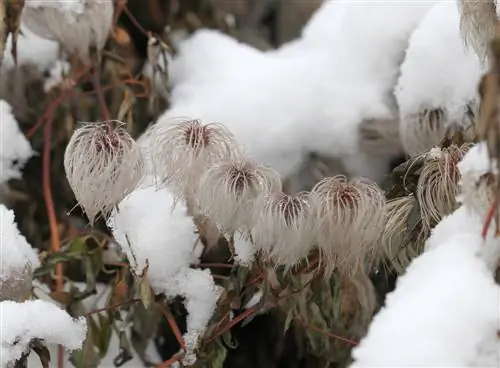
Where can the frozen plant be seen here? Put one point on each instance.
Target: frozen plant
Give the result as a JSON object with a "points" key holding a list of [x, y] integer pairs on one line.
{"points": [[349, 218], [437, 184], [17, 259], [284, 230], [398, 249], [103, 165], [232, 190], [79, 26], [183, 150]]}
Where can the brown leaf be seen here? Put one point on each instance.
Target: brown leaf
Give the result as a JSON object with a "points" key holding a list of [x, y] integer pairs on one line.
{"points": [[62, 297]]}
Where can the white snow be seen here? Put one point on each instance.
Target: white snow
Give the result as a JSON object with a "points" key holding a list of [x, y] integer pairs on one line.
{"points": [[443, 313], [438, 70], [445, 309], [15, 253], [15, 149], [164, 236], [31, 49], [67, 6], [22, 322], [310, 96]]}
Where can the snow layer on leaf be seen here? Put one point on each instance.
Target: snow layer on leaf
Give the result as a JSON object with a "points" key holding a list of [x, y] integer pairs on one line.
{"points": [[157, 233], [201, 295], [16, 255], [308, 98], [22, 322], [438, 70], [15, 149], [445, 291]]}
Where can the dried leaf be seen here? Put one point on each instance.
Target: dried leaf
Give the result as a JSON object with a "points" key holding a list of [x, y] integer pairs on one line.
{"points": [[62, 297], [43, 353], [145, 293]]}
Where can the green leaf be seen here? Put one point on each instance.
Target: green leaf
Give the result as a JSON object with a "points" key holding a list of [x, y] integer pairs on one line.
{"points": [[229, 341], [288, 321], [105, 334], [220, 356], [87, 357]]}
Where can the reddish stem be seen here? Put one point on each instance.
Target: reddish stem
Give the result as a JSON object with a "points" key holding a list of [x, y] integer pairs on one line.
{"points": [[173, 325], [55, 243], [489, 217]]}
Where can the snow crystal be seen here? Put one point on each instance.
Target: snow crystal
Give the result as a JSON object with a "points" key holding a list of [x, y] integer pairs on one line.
{"points": [[309, 97], [15, 149], [442, 313], [17, 257], [22, 322], [158, 234]]}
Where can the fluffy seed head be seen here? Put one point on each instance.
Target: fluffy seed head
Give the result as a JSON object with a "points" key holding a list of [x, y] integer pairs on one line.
{"points": [[284, 230], [231, 192], [103, 165], [182, 149], [78, 26], [437, 185], [399, 248], [420, 132], [350, 220], [478, 21]]}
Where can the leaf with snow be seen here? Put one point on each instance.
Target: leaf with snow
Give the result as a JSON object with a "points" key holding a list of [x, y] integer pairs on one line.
{"points": [[22, 322], [17, 258]]}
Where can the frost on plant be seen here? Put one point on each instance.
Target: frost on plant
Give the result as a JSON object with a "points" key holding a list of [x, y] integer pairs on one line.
{"points": [[231, 192], [17, 259], [103, 165], [15, 149], [182, 149], [349, 217], [437, 185], [284, 230], [78, 26], [20, 323]]}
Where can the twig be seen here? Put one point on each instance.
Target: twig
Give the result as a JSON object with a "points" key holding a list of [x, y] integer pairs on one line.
{"points": [[55, 243], [168, 363], [134, 21], [329, 334], [489, 217], [247, 313], [96, 80], [111, 307], [213, 265], [173, 325]]}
